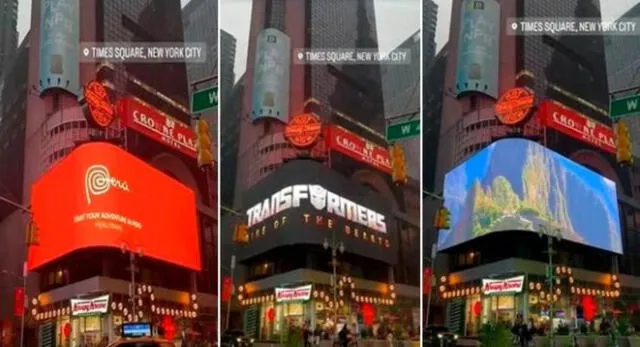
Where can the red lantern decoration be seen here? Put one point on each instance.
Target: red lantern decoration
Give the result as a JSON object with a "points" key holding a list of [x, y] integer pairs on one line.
{"points": [[66, 330], [271, 314], [368, 313], [426, 284], [589, 306], [477, 308], [227, 286], [169, 327], [18, 302]]}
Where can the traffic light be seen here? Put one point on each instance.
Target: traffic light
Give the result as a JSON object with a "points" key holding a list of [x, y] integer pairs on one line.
{"points": [[624, 155], [205, 155], [398, 165], [32, 233], [442, 219], [241, 233]]}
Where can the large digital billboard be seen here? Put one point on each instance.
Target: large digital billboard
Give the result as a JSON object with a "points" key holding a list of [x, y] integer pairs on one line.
{"points": [[102, 196], [59, 49], [304, 202], [516, 184], [270, 94], [478, 47]]}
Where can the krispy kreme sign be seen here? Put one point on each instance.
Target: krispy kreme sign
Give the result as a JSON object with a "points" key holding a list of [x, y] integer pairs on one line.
{"points": [[97, 305], [503, 286], [293, 294]]}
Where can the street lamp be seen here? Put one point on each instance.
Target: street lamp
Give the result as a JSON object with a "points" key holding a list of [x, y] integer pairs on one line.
{"points": [[335, 247], [132, 289], [550, 233]]}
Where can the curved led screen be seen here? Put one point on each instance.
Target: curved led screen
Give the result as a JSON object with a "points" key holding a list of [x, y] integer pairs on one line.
{"points": [[102, 196], [304, 202], [516, 184]]}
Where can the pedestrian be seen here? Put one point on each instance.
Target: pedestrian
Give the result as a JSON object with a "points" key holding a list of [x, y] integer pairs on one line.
{"points": [[316, 335], [520, 331], [306, 334], [531, 328], [343, 336], [389, 338]]}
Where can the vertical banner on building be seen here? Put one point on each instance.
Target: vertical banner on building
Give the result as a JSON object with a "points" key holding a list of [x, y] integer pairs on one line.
{"points": [[478, 48], [270, 94], [18, 302], [59, 45]]}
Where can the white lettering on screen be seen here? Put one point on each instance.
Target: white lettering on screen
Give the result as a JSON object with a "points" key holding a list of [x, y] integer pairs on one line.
{"points": [[319, 198]]}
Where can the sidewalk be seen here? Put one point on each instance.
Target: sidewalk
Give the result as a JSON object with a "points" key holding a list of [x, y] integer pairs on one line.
{"points": [[361, 343]]}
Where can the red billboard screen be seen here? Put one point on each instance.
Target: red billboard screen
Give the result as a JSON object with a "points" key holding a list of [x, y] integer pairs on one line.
{"points": [[354, 146], [156, 125], [102, 196], [576, 125]]}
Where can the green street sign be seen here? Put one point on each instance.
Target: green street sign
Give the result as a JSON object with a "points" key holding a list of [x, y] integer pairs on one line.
{"points": [[204, 99], [403, 130], [624, 107]]}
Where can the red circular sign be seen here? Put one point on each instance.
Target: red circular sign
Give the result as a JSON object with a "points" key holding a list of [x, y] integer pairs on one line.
{"points": [[303, 130], [66, 330], [477, 308], [271, 314], [514, 106], [101, 111]]}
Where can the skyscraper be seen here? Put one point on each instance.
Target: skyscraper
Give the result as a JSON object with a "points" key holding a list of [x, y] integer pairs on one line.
{"points": [[429, 24], [227, 61], [12, 140], [200, 20], [623, 56], [348, 100], [623, 73], [8, 33], [401, 89], [351, 90], [56, 124], [565, 71], [551, 67]]}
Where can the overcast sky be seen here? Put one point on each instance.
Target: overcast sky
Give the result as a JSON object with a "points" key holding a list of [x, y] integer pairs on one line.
{"points": [[391, 31], [396, 20], [611, 9]]}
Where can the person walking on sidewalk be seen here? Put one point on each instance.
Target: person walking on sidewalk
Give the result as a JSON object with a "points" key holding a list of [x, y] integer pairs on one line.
{"points": [[306, 334], [521, 331]]}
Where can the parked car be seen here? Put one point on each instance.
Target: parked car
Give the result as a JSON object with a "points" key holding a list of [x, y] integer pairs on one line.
{"points": [[236, 338], [439, 336], [142, 342]]}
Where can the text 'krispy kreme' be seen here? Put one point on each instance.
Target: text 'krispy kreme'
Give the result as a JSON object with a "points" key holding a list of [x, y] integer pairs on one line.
{"points": [[293, 294], [90, 306], [509, 285]]}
